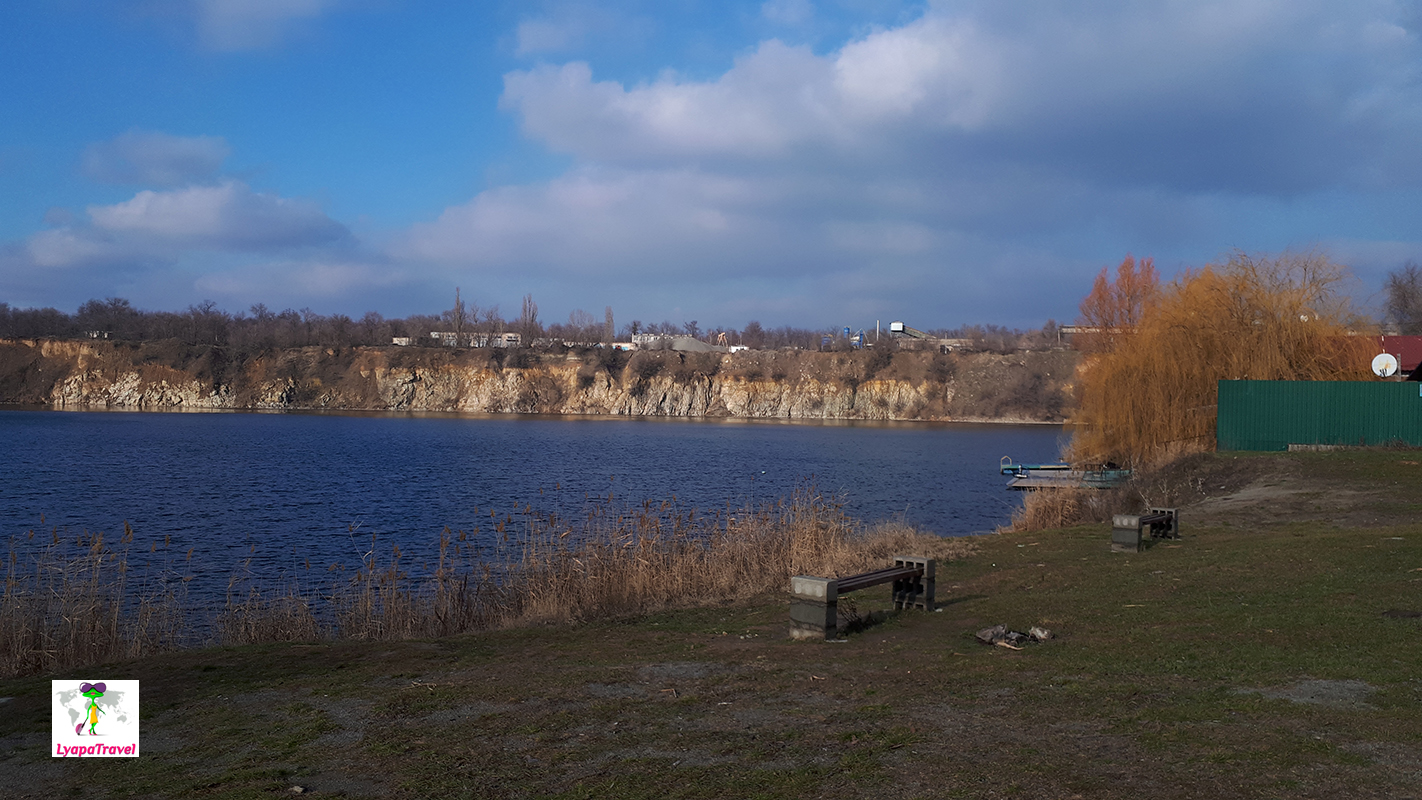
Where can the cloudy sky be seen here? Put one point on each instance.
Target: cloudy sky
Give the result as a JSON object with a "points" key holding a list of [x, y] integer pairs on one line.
{"points": [[806, 162]]}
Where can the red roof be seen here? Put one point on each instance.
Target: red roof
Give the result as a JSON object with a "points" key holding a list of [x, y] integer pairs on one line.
{"points": [[1408, 350]]}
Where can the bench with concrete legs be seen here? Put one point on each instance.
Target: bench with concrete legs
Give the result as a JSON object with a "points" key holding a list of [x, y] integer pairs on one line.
{"points": [[1129, 532], [814, 603]]}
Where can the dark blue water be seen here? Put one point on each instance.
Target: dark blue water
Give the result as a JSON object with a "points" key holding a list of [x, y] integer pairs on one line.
{"points": [[287, 487]]}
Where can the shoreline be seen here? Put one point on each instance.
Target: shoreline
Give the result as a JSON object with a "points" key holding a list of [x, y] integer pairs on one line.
{"points": [[550, 417]]}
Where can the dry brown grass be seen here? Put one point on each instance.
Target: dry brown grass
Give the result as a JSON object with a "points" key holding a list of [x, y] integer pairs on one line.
{"points": [[650, 561], [615, 562], [1050, 509], [1053, 509], [69, 604]]}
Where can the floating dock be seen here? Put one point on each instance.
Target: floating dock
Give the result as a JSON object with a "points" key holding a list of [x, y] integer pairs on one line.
{"points": [[1059, 476]]}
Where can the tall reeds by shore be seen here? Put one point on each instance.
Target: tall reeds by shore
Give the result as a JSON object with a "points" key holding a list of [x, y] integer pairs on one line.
{"points": [[78, 599], [71, 600]]}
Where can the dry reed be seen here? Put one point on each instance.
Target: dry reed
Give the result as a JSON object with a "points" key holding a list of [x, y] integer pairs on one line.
{"points": [[74, 601], [1053, 509]]}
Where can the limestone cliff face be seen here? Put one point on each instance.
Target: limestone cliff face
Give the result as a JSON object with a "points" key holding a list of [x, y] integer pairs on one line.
{"points": [[798, 385]]}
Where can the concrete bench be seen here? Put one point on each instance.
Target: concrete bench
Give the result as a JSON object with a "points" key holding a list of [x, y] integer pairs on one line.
{"points": [[814, 602], [1130, 531]]}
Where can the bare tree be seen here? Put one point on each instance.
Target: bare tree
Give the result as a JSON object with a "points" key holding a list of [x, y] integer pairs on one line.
{"points": [[528, 320], [493, 323], [460, 318], [374, 330], [1404, 299], [114, 316], [207, 324], [607, 329]]}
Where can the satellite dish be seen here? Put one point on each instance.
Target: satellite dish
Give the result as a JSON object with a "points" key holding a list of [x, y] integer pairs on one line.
{"points": [[1385, 365]]}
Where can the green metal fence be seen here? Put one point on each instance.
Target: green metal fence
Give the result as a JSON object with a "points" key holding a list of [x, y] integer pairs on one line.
{"points": [[1271, 415]]}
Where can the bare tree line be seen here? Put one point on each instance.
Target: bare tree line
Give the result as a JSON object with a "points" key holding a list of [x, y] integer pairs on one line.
{"points": [[204, 323], [260, 328]]}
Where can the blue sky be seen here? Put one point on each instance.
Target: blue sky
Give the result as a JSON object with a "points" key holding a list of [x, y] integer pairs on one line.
{"points": [[805, 162]]}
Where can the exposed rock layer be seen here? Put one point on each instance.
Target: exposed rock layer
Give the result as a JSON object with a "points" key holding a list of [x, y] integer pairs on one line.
{"points": [[1030, 386]]}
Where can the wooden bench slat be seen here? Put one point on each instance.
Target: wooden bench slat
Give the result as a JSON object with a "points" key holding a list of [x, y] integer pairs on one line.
{"points": [[855, 582]]}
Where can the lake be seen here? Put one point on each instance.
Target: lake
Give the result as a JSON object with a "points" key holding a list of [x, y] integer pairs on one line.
{"points": [[285, 487]]}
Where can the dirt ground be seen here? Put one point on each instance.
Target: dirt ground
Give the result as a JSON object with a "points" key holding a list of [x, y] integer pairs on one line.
{"points": [[1240, 490]]}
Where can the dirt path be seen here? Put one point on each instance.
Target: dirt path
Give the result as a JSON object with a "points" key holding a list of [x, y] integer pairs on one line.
{"points": [[1241, 491]]}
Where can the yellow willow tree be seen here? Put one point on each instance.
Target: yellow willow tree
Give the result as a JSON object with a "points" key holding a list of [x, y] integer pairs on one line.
{"points": [[1115, 308], [1152, 393]]}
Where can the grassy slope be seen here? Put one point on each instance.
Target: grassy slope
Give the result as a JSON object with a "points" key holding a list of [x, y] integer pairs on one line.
{"points": [[1152, 690]]}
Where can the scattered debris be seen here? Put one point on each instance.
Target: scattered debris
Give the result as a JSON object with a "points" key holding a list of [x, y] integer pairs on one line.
{"points": [[297, 789], [1013, 640], [992, 635]]}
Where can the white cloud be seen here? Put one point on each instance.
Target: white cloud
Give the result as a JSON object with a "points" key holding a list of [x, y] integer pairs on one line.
{"points": [[248, 24], [769, 101], [225, 242], [545, 35], [1252, 96], [167, 227], [569, 25], [68, 247], [587, 222], [229, 216], [788, 12], [978, 153], [154, 158]]}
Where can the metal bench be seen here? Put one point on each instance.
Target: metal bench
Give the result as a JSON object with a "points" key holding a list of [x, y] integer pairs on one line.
{"points": [[814, 603], [1130, 531]]}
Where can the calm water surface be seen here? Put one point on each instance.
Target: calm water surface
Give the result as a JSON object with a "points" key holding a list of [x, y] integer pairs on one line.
{"points": [[293, 485]]}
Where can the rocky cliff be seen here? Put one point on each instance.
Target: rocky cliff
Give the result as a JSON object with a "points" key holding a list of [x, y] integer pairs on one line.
{"points": [[1031, 386]]}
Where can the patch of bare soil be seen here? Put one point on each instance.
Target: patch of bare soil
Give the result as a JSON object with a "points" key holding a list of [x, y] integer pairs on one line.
{"points": [[1335, 694], [1356, 489], [1284, 489]]}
